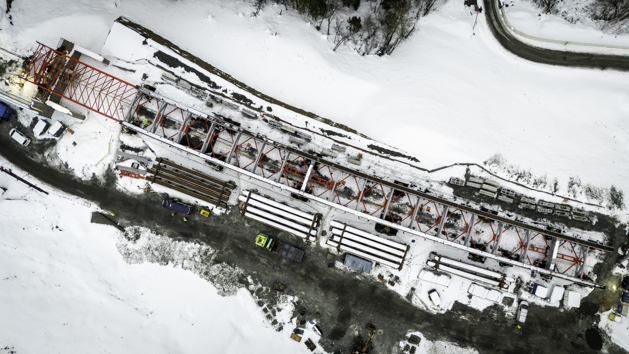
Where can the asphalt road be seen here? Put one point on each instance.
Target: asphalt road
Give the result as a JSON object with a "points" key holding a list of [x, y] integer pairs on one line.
{"points": [[345, 302], [546, 56]]}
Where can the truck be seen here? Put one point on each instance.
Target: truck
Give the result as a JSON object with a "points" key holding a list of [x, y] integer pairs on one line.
{"points": [[280, 247], [523, 310], [5, 111], [175, 205]]}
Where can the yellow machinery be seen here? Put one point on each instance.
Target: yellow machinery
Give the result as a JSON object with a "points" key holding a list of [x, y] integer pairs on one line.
{"points": [[363, 350]]}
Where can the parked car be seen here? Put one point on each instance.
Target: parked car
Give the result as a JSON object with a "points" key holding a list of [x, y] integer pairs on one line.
{"points": [[176, 206], [19, 137], [523, 310], [56, 129], [434, 297], [5, 111], [41, 127]]}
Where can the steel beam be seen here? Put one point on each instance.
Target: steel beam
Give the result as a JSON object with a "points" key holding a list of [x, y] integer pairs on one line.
{"points": [[526, 248], [361, 191], [386, 205], [414, 216], [206, 143], [468, 235], [554, 249], [498, 237], [136, 101], [304, 184], [234, 147], [279, 175], [158, 118], [443, 220], [255, 164], [183, 128]]}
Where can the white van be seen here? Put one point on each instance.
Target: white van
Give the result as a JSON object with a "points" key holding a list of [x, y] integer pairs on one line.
{"points": [[19, 137], [523, 310], [434, 297]]}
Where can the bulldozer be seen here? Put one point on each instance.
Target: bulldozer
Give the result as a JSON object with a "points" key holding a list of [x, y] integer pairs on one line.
{"points": [[365, 349]]}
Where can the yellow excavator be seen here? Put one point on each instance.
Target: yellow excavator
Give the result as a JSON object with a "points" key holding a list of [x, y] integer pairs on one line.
{"points": [[363, 350]]}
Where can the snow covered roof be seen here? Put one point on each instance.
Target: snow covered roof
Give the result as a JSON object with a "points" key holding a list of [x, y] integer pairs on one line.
{"points": [[574, 299], [557, 294], [540, 291], [430, 276]]}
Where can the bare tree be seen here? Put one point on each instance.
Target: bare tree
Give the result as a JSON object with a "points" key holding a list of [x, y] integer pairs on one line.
{"points": [[345, 30], [612, 11], [547, 6]]}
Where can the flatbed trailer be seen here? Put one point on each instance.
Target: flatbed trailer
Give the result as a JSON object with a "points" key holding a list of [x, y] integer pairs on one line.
{"points": [[280, 247]]}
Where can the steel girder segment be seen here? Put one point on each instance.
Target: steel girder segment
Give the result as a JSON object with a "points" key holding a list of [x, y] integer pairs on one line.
{"points": [[295, 170], [428, 217], [170, 123], [271, 161], [567, 253], [538, 250], [195, 132], [374, 195], [512, 242], [347, 190], [321, 180], [456, 225], [481, 242], [78, 82], [246, 152], [221, 142], [400, 207]]}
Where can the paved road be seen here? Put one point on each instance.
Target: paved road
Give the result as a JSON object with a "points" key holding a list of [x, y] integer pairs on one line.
{"points": [[547, 56], [346, 302]]}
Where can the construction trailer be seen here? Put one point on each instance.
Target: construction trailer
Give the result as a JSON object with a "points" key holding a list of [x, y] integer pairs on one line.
{"points": [[279, 216], [347, 239]]}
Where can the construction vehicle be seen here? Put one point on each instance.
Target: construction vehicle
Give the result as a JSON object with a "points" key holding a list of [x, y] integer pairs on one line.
{"points": [[364, 349], [280, 247]]}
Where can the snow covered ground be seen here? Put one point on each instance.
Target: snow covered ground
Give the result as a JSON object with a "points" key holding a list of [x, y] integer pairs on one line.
{"points": [[65, 284], [449, 94], [570, 23]]}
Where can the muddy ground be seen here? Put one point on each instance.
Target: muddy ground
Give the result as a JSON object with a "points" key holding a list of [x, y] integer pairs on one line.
{"points": [[345, 302]]}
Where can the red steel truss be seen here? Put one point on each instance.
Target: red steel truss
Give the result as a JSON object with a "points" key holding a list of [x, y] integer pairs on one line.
{"points": [[78, 82]]}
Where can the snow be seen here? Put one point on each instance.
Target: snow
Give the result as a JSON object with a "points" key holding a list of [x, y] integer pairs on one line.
{"points": [[527, 18], [448, 95], [443, 88], [67, 286]]}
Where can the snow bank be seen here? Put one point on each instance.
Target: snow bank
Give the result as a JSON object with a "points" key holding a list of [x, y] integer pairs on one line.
{"points": [[66, 288]]}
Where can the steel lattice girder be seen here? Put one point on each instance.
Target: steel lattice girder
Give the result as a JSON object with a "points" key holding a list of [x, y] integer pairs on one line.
{"points": [[78, 82]]}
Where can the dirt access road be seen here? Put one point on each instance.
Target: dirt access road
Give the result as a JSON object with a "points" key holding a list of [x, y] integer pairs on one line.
{"points": [[345, 302]]}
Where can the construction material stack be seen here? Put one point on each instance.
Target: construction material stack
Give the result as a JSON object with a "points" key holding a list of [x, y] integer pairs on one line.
{"points": [[279, 216], [362, 244]]}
